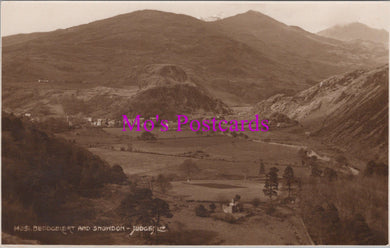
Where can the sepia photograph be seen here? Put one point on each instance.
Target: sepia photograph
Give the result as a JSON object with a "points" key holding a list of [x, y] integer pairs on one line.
{"points": [[194, 123]]}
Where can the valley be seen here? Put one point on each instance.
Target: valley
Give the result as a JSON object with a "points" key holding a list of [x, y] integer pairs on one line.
{"points": [[317, 175], [226, 166]]}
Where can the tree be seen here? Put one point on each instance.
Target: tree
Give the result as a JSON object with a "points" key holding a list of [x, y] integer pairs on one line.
{"points": [[312, 161], [326, 224], [271, 183], [373, 168], [358, 232], [302, 154], [189, 167], [212, 207], [256, 202], [332, 224], [159, 208], [142, 208], [147, 136], [163, 183], [330, 174], [288, 177], [117, 175], [201, 211], [316, 172], [262, 168], [340, 159]]}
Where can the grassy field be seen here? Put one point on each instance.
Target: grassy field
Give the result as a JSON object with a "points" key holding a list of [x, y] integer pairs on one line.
{"points": [[259, 229], [215, 155], [227, 167], [205, 190]]}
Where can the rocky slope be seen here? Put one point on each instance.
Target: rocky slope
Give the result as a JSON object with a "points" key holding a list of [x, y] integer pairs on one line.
{"points": [[350, 110]]}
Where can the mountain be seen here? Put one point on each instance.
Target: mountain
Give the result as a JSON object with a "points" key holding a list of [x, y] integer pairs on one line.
{"points": [[110, 51], [349, 110], [304, 54], [239, 59], [161, 89], [356, 31], [167, 90]]}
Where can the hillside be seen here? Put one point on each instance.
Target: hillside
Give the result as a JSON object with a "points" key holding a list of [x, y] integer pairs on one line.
{"points": [[47, 180], [161, 89], [307, 55], [350, 110], [111, 51], [356, 31], [167, 90], [239, 59]]}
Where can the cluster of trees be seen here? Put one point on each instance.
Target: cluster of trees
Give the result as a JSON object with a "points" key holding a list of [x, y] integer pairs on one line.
{"points": [[240, 135], [141, 207], [330, 224], [262, 168], [189, 168], [202, 211], [41, 174], [377, 169], [54, 125], [316, 171], [147, 136], [338, 209], [163, 182], [327, 173], [271, 184], [350, 210]]}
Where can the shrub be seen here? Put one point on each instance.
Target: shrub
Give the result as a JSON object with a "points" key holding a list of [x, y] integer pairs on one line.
{"points": [[212, 207], [270, 210], [163, 183], [330, 174], [373, 168], [147, 136], [256, 202], [117, 175], [226, 217], [201, 211]]}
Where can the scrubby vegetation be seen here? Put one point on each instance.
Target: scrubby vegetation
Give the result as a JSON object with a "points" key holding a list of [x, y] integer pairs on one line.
{"points": [[141, 207], [147, 136], [349, 210], [201, 211], [47, 180]]}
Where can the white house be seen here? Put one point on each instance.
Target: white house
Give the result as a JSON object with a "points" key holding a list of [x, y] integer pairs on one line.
{"points": [[230, 208]]}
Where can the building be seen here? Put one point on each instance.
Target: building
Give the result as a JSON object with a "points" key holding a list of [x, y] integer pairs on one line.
{"points": [[111, 123], [231, 207]]}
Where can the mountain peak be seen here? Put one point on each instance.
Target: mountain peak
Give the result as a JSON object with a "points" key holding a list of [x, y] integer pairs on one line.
{"points": [[355, 24], [356, 31], [252, 17]]}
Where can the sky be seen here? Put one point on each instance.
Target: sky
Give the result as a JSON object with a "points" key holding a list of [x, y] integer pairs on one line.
{"points": [[40, 16]]}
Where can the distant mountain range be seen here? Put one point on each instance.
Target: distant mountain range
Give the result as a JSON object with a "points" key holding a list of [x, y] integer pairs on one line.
{"points": [[240, 59], [356, 31], [349, 110]]}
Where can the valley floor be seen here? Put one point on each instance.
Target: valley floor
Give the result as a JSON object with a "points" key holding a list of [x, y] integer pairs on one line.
{"points": [[228, 166]]}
